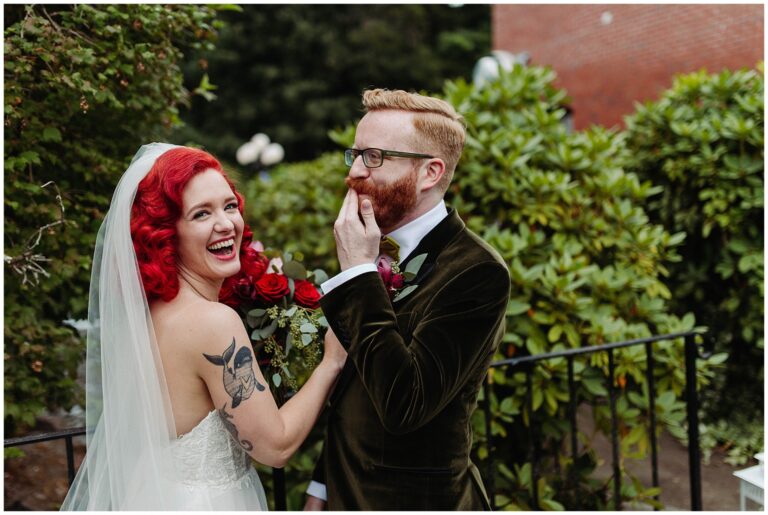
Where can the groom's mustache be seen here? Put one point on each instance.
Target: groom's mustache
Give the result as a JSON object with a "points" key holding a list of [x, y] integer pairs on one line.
{"points": [[361, 186]]}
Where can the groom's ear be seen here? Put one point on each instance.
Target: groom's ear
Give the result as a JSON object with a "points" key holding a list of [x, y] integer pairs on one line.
{"points": [[431, 174]]}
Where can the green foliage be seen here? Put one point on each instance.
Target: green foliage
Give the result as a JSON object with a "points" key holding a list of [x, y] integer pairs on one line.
{"points": [[85, 86], [294, 71], [702, 144], [742, 434], [587, 267], [294, 207]]}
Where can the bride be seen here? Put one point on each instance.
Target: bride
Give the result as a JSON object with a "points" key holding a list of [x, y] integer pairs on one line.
{"points": [[176, 406]]}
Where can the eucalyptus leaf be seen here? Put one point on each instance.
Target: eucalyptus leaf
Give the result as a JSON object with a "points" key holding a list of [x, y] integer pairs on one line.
{"points": [[255, 317], [405, 292], [320, 276], [308, 328], [294, 270], [414, 265], [306, 338], [264, 332], [277, 380]]}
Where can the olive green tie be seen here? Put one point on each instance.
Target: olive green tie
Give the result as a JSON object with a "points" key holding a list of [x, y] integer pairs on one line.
{"points": [[389, 247]]}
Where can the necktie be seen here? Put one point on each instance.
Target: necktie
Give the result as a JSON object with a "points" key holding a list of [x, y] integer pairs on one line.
{"points": [[389, 247]]}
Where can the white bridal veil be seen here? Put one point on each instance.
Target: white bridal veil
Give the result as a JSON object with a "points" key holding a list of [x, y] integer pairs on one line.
{"points": [[128, 411]]}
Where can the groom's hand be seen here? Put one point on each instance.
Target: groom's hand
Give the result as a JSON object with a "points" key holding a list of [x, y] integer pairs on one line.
{"points": [[357, 235], [314, 504]]}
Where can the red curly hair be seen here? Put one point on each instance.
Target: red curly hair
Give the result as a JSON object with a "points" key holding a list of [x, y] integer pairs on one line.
{"points": [[156, 209]]}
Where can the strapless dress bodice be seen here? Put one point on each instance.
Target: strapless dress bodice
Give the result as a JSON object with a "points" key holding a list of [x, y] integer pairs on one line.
{"points": [[209, 456]]}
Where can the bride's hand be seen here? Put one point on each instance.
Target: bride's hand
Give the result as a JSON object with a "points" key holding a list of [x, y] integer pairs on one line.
{"points": [[334, 353]]}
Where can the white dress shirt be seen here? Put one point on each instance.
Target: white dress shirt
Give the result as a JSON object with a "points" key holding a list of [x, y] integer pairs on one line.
{"points": [[408, 237]]}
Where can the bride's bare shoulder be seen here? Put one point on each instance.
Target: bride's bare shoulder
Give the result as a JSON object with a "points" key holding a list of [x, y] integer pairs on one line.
{"points": [[197, 326]]}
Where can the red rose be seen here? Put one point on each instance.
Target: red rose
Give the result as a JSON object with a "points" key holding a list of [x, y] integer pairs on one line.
{"points": [[272, 287], [384, 267], [392, 281], [306, 295], [244, 288], [253, 264]]}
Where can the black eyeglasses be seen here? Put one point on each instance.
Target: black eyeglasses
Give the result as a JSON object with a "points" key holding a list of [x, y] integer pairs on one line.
{"points": [[374, 157]]}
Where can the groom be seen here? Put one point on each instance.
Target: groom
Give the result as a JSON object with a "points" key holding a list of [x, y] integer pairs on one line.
{"points": [[399, 435]]}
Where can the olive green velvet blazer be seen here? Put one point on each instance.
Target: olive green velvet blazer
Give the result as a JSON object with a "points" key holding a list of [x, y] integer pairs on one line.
{"points": [[398, 434]]}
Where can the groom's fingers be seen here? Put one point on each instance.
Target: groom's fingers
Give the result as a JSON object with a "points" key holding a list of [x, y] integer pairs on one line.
{"points": [[366, 210], [344, 209], [352, 208]]}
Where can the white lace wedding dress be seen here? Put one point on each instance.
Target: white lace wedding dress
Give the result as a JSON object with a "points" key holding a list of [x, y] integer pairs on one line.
{"points": [[213, 471]]}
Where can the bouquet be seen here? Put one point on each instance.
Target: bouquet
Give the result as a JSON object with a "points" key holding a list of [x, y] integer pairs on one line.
{"points": [[278, 300]]}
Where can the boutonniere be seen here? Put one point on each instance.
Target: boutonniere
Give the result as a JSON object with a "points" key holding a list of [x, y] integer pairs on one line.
{"points": [[396, 281]]}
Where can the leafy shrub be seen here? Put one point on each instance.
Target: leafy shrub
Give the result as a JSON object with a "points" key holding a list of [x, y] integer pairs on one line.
{"points": [[702, 143], [587, 267], [84, 88], [295, 205]]}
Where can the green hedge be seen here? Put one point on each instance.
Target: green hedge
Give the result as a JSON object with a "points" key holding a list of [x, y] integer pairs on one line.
{"points": [[702, 143], [84, 88], [588, 267]]}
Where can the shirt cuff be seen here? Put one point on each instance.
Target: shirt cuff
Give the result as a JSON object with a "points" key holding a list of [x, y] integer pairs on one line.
{"points": [[318, 490], [346, 275]]}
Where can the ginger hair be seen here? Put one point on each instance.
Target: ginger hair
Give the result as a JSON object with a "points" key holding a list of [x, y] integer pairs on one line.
{"points": [[439, 129]]}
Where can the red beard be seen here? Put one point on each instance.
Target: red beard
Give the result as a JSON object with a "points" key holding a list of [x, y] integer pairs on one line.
{"points": [[390, 203]]}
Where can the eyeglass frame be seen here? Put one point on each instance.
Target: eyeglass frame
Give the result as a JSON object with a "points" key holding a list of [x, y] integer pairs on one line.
{"points": [[384, 153]]}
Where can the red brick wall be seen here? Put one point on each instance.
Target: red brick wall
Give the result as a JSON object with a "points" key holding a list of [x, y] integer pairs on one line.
{"points": [[607, 67]]}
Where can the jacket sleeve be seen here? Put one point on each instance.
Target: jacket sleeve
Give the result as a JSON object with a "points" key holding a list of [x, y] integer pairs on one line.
{"points": [[410, 382], [318, 475]]}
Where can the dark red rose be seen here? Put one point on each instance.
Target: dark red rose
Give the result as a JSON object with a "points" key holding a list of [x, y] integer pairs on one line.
{"points": [[392, 281], [272, 287], [244, 288], [253, 264], [384, 267], [306, 295]]}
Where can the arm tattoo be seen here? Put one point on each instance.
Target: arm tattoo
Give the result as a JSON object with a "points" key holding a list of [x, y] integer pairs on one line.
{"points": [[226, 419], [239, 380]]}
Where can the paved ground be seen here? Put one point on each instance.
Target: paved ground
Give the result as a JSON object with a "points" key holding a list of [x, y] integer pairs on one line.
{"points": [[720, 488], [39, 481]]}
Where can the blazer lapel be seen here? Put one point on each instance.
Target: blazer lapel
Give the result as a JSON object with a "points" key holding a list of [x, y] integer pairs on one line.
{"points": [[433, 244]]}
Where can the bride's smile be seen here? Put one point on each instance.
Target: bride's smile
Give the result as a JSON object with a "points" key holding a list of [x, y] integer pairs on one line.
{"points": [[210, 228]]}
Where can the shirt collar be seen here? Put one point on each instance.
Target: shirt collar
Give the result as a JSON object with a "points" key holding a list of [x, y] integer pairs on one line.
{"points": [[409, 235]]}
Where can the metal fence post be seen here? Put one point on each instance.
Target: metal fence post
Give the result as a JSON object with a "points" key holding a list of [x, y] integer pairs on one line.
{"points": [[652, 416], [692, 408]]}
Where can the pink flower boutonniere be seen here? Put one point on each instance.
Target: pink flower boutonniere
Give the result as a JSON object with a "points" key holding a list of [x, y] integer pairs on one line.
{"points": [[395, 281]]}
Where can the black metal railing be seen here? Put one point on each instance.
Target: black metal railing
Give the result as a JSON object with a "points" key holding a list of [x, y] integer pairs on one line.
{"points": [[66, 434], [527, 363]]}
